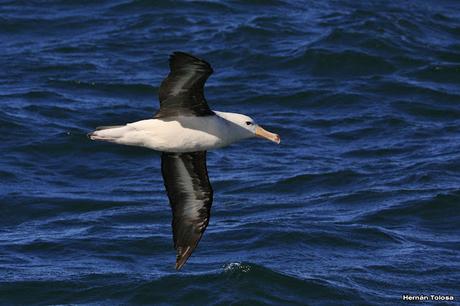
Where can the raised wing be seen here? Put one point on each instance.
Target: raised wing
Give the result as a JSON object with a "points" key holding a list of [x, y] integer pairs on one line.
{"points": [[182, 92], [190, 196]]}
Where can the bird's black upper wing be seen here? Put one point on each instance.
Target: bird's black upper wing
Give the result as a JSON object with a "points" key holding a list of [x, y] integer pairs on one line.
{"points": [[190, 196], [182, 92]]}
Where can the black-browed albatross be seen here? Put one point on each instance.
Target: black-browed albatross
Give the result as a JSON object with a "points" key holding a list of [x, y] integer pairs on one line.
{"points": [[183, 129]]}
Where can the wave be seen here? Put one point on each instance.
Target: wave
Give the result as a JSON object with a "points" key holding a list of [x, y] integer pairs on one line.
{"points": [[301, 182], [34, 94], [429, 111], [115, 89], [345, 235], [7, 175], [20, 207], [402, 88], [357, 40], [322, 62], [256, 285], [10, 122], [433, 212], [24, 25], [382, 151], [444, 74], [142, 6]]}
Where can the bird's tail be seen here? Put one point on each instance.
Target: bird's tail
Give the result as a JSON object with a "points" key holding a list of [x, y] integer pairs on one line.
{"points": [[108, 133]]}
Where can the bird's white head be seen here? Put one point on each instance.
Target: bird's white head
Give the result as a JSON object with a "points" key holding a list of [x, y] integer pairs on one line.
{"points": [[245, 127]]}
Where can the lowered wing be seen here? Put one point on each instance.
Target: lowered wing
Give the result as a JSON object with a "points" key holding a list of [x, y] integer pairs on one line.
{"points": [[190, 196]]}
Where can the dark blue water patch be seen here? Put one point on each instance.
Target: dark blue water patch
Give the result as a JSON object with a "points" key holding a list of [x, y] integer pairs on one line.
{"points": [[54, 69], [379, 152], [428, 111], [435, 212], [103, 246], [10, 122], [20, 207], [439, 73], [50, 111], [450, 55], [355, 40], [419, 93], [356, 134], [367, 127], [338, 179], [142, 6], [242, 277], [105, 89], [7, 175], [38, 96], [341, 238], [59, 27], [321, 62]]}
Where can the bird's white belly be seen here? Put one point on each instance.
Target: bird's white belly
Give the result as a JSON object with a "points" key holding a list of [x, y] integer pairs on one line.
{"points": [[186, 134]]}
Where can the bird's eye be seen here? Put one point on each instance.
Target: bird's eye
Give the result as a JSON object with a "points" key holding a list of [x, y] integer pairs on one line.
{"points": [[248, 122]]}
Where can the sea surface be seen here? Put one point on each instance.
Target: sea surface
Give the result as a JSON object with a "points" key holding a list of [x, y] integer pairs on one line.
{"points": [[358, 205]]}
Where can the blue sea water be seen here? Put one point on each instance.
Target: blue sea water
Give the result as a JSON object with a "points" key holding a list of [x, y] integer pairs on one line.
{"points": [[358, 205]]}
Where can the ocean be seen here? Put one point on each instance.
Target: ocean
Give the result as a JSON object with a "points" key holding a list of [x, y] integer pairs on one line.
{"points": [[358, 205]]}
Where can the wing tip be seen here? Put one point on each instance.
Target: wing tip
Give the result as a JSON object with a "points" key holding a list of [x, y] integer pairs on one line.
{"points": [[185, 55], [182, 257], [179, 58]]}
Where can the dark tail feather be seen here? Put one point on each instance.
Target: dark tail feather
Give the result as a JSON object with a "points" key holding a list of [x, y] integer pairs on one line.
{"points": [[108, 127], [98, 134]]}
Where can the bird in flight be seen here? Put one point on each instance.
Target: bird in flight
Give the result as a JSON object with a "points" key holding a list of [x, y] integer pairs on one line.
{"points": [[183, 129]]}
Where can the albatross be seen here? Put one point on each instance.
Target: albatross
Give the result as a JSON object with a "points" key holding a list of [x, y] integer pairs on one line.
{"points": [[183, 129]]}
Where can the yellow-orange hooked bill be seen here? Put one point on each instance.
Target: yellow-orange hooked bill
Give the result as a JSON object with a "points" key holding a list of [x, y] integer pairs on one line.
{"points": [[260, 132]]}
